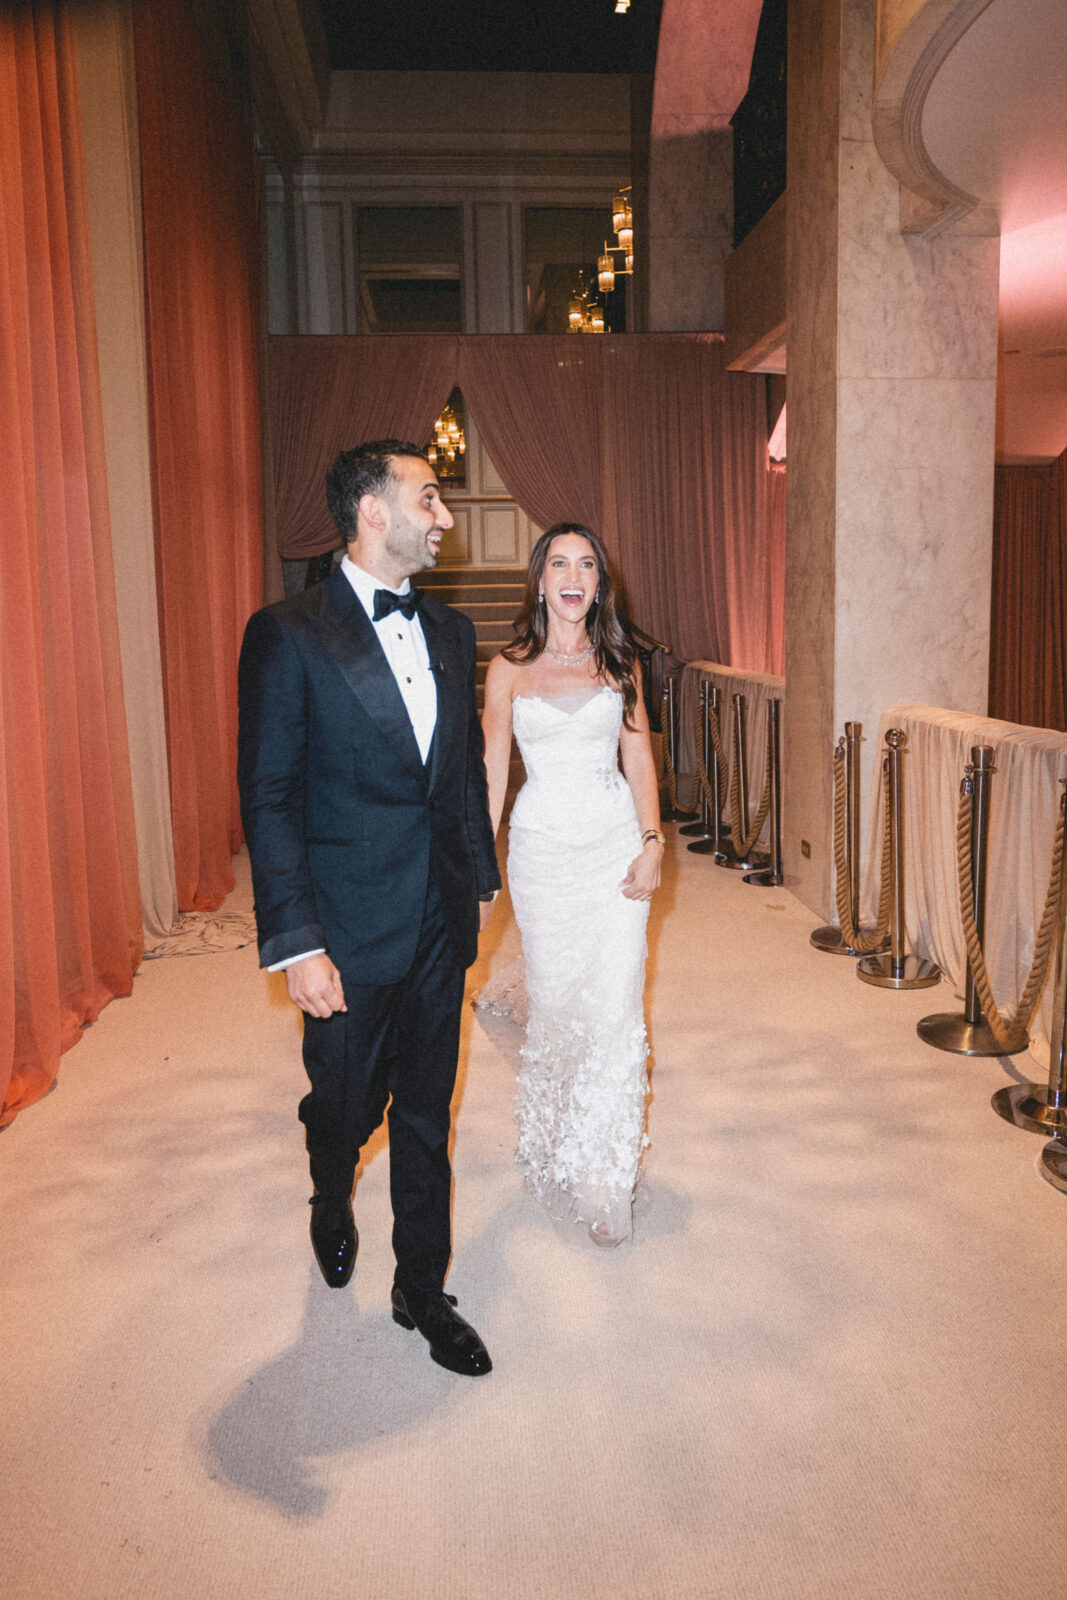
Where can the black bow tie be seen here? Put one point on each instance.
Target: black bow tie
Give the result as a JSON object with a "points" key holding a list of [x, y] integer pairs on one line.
{"points": [[386, 602]]}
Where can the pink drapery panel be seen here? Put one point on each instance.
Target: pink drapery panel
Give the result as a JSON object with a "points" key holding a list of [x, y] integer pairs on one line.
{"points": [[685, 495], [329, 393], [646, 437], [776, 534], [70, 916], [1028, 632], [537, 404]]}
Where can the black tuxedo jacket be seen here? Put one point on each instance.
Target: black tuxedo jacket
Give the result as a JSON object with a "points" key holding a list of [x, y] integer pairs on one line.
{"points": [[343, 821]]}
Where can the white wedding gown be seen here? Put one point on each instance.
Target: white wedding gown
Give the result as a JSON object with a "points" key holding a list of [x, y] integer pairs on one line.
{"points": [[583, 1084]]}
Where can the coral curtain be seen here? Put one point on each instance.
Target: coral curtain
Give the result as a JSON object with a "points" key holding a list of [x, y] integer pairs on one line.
{"points": [[201, 270], [328, 393], [1028, 633], [68, 867], [646, 437]]}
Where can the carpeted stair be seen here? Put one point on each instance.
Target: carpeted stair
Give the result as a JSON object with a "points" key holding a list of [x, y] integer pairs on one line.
{"points": [[490, 596]]}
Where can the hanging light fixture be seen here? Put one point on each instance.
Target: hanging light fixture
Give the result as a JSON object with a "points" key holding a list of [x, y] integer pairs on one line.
{"points": [[447, 441], [622, 220], [584, 315]]}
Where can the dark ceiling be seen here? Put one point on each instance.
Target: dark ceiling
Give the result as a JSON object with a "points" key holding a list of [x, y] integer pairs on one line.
{"points": [[491, 35]]}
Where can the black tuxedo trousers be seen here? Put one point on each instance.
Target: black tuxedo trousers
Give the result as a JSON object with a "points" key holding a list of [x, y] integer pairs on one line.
{"points": [[360, 848], [397, 1043]]}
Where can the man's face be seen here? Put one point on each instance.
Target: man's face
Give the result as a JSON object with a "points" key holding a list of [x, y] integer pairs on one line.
{"points": [[417, 516]]}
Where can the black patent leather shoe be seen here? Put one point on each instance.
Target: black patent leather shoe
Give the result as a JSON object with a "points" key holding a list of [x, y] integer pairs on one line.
{"points": [[453, 1342], [334, 1240]]}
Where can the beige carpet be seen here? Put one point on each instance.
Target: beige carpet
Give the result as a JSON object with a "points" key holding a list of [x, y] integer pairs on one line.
{"points": [[827, 1366]]}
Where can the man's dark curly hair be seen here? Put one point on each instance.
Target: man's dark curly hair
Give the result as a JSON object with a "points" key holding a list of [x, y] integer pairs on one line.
{"points": [[366, 469]]}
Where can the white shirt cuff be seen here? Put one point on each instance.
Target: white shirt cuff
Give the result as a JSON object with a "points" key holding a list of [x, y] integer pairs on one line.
{"points": [[280, 966]]}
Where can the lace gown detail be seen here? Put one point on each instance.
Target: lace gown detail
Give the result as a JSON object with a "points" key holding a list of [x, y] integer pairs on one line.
{"points": [[583, 1084]]}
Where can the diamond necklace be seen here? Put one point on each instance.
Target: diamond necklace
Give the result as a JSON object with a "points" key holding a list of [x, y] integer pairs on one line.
{"points": [[569, 661]]}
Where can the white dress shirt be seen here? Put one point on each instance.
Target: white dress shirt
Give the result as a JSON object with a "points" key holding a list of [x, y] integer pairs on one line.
{"points": [[404, 644]]}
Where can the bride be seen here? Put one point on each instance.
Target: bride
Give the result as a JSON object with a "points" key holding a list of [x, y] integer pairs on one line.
{"points": [[584, 858]]}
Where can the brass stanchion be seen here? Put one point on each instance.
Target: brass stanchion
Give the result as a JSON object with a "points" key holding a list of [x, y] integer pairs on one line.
{"points": [[728, 856], [701, 829], [673, 812], [969, 1034], [894, 969], [770, 877], [1029, 1105], [829, 938], [720, 833], [1054, 1155]]}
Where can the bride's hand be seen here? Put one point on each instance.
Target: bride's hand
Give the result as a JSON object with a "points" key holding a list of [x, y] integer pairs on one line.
{"points": [[643, 876]]}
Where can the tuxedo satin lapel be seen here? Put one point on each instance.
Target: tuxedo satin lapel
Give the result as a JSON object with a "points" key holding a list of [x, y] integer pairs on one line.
{"points": [[447, 671], [352, 644]]}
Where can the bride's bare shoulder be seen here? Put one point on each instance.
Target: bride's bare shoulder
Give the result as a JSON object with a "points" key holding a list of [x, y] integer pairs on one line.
{"points": [[503, 676]]}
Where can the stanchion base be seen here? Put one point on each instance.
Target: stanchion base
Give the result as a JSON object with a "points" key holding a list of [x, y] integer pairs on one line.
{"points": [[695, 830], [750, 863], [830, 942], [708, 847], [1025, 1105], [1053, 1164], [673, 814], [950, 1030], [764, 879], [885, 973]]}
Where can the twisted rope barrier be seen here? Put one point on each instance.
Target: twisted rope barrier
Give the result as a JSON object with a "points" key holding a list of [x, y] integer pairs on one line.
{"points": [[668, 763], [862, 944], [741, 845], [1000, 1026], [732, 778]]}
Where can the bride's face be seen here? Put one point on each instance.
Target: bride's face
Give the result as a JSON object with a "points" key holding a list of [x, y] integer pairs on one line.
{"points": [[569, 580]]}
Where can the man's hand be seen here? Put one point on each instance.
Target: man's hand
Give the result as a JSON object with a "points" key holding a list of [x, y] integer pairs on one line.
{"points": [[315, 986], [485, 911]]}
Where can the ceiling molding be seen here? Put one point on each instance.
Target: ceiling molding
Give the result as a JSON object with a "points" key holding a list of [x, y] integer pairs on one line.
{"points": [[290, 73], [914, 38], [535, 165]]}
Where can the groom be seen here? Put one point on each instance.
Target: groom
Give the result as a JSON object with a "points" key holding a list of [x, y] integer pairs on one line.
{"points": [[363, 795]]}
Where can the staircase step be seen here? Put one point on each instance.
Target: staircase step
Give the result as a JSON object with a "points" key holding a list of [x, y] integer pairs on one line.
{"points": [[478, 577], [508, 596]]}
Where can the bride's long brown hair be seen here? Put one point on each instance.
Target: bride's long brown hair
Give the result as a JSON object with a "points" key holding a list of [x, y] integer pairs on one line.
{"points": [[612, 647]]}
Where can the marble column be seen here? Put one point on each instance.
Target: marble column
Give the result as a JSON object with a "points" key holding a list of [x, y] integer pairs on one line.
{"points": [[892, 394], [690, 225]]}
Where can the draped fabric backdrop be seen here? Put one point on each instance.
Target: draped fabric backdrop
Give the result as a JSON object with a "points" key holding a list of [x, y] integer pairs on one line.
{"points": [[537, 404], [325, 397], [685, 496], [201, 267], [646, 437], [1028, 636], [776, 481], [68, 867]]}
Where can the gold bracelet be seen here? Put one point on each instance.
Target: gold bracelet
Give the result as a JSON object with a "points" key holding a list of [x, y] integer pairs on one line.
{"points": [[653, 834]]}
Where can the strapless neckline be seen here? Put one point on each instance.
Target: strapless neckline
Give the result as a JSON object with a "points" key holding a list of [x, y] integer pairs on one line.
{"points": [[570, 701]]}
